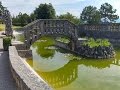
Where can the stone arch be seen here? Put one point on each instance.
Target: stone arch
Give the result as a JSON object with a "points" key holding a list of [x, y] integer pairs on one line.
{"points": [[42, 27], [6, 17]]}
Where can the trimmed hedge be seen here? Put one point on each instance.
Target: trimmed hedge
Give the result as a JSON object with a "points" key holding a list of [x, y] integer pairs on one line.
{"points": [[6, 43]]}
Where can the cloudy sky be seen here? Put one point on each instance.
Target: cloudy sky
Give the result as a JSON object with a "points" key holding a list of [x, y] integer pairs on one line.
{"points": [[61, 6]]}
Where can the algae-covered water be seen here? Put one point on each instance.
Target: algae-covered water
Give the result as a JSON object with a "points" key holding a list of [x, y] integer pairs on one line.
{"points": [[65, 71]]}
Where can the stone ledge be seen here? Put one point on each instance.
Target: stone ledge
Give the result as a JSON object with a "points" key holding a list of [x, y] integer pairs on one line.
{"points": [[25, 53], [26, 78]]}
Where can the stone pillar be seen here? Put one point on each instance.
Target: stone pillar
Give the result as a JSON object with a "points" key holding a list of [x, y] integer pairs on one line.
{"points": [[8, 23]]}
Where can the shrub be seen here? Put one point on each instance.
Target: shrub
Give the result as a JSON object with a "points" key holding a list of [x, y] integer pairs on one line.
{"points": [[98, 42], [6, 43]]}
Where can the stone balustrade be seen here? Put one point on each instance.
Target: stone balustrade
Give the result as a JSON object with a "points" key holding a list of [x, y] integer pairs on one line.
{"points": [[42, 27], [109, 31]]}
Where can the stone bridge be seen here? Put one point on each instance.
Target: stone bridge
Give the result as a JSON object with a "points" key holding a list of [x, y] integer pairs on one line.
{"points": [[54, 27]]}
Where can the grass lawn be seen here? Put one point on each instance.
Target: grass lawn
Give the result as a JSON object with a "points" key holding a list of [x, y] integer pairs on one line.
{"points": [[2, 27]]}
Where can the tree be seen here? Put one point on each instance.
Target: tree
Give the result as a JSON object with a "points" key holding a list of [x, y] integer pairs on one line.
{"points": [[69, 17], [1, 6], [21, 19], [32, 17], [107, 11], [90, 15], [45, 11]]}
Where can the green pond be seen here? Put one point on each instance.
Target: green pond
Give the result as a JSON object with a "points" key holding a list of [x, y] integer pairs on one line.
{"points": [[65, 71]]}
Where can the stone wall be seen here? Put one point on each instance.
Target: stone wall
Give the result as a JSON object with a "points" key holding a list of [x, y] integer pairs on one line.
{"points": [[25, 77], [22, 50], [100, 52], [25, 53], [108, 31]]}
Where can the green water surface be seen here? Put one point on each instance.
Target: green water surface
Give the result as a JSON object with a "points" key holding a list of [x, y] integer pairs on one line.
{"points": [[65, 71]]}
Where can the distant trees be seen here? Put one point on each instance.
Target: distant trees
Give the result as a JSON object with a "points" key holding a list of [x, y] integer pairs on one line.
{"points": [[21, 19], [106, 11], [69, 17], [90, 14], [45, 11]]}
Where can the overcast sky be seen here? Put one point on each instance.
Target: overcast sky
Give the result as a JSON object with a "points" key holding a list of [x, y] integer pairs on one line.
{"points": [[61, 6]]}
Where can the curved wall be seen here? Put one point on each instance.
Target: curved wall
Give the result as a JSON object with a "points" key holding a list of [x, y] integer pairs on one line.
{"points": [[25, 77]]}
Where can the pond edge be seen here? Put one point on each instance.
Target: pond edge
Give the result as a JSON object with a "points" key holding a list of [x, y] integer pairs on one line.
{"points": [[26, 78]]}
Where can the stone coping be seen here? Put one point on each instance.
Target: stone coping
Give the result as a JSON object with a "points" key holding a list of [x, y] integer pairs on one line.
{"points": [[28, 79]]}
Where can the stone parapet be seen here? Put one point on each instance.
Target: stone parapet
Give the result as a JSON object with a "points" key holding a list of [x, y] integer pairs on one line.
{"points": [[25, 77]]}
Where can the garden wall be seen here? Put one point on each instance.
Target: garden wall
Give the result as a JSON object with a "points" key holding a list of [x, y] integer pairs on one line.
{"points": [[108, 31]]}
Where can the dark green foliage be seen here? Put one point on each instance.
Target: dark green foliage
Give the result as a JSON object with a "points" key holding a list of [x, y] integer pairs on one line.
{"points": [[21, 19], [6, 43], [69, 17], [1, 6], [106, 10], [32, 17], [43, 47], [90, 15], [45, 11]]}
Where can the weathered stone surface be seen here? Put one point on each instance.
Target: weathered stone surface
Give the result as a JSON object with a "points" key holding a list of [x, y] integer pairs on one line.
{"points": [[41, 27], [100, 52], [25, 53], [6, 17], [26, 78], [109, 31]]}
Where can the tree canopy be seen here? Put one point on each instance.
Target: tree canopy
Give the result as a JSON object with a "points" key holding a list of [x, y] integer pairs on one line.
{"points": [[21, 19], [107, 11], [45, 11], [90, 15], [69, 17]]}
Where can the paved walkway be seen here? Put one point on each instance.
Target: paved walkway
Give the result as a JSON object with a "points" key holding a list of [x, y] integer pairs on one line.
{"points": [[6, 80]]}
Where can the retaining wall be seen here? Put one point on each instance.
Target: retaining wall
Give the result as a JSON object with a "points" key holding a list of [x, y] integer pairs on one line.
{"points": [[22, 50], [25, 77]]}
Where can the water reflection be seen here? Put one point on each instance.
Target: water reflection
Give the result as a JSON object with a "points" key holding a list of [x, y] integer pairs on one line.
{"points": [[60, 71], [43, 47]]}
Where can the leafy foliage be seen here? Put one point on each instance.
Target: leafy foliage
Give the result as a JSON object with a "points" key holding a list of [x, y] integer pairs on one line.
{"points": [[98, 42], [21, 19], [45, 11], [6, 43], [107, 11], [69, 17], [90, 15]]}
